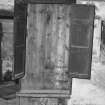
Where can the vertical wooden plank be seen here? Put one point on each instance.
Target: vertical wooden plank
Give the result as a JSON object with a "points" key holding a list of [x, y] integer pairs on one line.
{"points": [[48, 63], [61, 67], [34, 55]]}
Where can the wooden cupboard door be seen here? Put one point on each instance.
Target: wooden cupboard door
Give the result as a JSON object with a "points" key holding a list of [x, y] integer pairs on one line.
{"points": [[20, 31], [81, 40]]}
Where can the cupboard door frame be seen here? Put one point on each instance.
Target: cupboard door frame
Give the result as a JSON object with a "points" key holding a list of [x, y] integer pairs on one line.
{"points": [[20, 33], [80, 48]]}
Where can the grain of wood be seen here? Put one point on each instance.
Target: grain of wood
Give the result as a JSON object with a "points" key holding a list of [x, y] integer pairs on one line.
{"points": [[47, 25]]}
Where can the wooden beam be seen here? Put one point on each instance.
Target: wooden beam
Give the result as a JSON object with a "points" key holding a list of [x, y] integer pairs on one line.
{"points": [[6, 14], [44, 93], [50, 1]]}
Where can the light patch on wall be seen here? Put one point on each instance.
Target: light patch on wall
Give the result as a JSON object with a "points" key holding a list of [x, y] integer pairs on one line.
{"points": [[6, 4], [10, 2]]}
